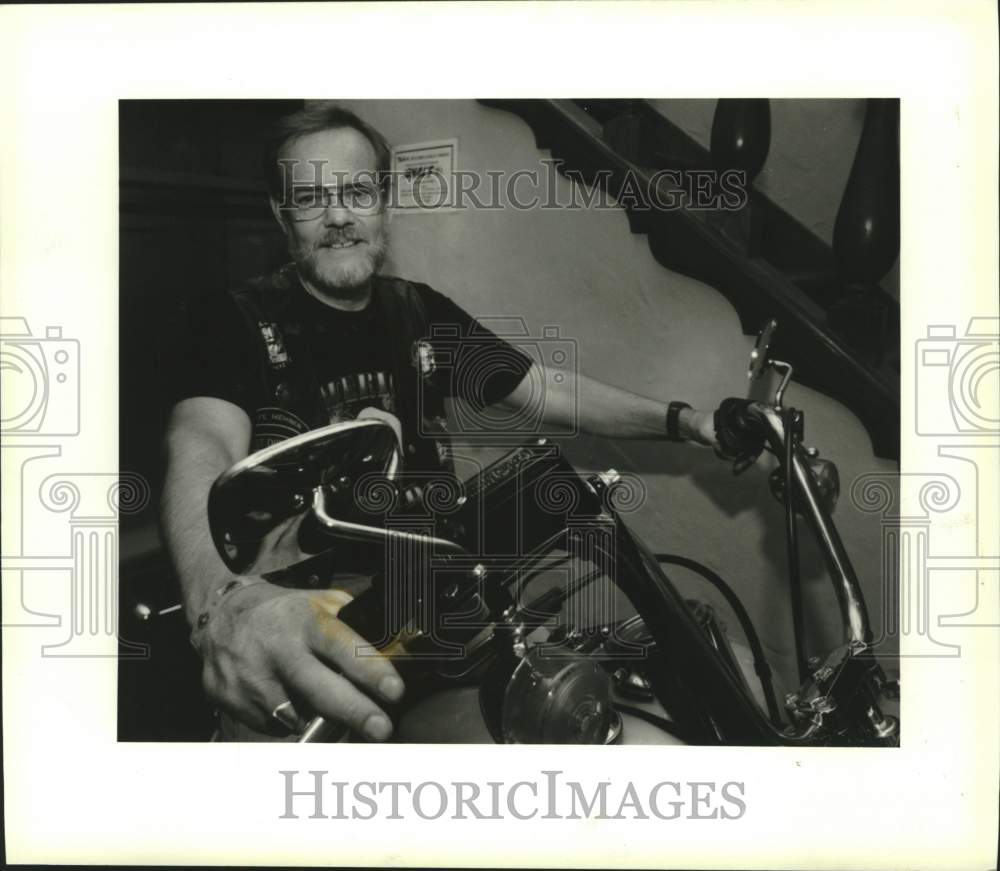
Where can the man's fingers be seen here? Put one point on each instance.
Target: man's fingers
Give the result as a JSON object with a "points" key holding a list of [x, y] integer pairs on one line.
{"points": [[263, 704], [337, 644], [336, 698], [282, 667]]}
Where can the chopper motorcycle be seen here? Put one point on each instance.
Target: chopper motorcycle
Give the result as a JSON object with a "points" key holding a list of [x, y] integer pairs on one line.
{"points": [[520, 608]]}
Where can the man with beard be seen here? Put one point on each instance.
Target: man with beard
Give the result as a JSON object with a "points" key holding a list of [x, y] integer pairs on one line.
{"points": [[323, 339]]}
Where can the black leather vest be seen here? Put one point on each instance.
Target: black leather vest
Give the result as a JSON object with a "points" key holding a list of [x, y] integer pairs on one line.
{"points": [[290, 400]]}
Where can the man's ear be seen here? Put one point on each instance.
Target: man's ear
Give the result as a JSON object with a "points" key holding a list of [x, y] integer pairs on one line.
{"points": [[276, 211]]}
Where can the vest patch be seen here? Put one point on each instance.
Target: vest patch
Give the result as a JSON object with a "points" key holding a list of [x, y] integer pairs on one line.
{"points": [[277, 353], [422, 358]]}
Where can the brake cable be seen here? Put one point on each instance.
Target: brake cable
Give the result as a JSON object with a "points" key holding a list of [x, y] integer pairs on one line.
{"points": [[760, 663]]}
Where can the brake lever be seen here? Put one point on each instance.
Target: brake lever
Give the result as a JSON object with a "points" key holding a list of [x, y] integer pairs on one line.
{"points": [[740, 463]]}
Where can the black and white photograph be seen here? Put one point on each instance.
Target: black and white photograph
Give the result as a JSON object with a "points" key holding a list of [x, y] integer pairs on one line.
{"points": [[415, 461], [560, 425]]}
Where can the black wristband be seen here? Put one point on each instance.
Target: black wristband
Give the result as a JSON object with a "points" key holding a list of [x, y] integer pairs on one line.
{"points": [[674, 419]]}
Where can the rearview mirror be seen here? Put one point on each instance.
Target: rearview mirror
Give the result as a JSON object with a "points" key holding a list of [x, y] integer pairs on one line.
{"points": [[758, 356], [276, 507]]}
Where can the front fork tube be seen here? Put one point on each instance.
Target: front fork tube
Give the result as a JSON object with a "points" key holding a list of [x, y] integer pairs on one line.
{"points": [[857, 628]]}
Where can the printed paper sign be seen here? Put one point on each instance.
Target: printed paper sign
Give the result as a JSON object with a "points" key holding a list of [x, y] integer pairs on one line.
{"points": [[423, 174]]}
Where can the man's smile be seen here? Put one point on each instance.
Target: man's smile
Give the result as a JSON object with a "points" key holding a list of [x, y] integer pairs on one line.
{"points": [[342, 243]]}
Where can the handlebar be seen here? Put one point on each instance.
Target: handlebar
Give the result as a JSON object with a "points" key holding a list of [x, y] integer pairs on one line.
{"points": [[857, 627]]}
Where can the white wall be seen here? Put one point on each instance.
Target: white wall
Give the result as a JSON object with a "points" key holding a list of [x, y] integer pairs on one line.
{"points": [[645, 328]]}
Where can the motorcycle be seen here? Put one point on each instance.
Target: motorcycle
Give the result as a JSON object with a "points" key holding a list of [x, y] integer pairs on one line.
{"points": [[520, 608]]}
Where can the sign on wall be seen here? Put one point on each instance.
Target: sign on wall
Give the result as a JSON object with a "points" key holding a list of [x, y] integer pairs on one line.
{"points": [[423, 174]]}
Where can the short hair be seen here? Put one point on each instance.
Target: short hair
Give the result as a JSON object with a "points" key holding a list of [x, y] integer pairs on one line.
{"points": [[315, 118]]}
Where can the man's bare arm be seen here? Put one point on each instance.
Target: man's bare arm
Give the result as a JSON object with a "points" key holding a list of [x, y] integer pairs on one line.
{"points": [[602, 409], [205, 436]]}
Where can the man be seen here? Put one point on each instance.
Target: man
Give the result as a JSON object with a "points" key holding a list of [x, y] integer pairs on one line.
{"points": [[323, 339]]}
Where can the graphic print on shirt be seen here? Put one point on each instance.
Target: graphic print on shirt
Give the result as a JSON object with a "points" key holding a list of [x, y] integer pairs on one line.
{"points": [[345, 397], [272, 425]]}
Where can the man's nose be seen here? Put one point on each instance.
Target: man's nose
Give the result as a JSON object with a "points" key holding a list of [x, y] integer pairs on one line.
{"points": [[336, 215]]}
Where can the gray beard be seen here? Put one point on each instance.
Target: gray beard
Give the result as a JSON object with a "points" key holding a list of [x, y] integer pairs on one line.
{"points": [[348, 282]]}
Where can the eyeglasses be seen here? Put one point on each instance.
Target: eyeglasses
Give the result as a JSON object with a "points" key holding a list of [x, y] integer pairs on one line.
{"points": [[309, 202]]}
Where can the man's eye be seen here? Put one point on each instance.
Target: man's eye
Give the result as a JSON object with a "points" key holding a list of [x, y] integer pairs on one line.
{"points": [[305, 199], [362, 195]]}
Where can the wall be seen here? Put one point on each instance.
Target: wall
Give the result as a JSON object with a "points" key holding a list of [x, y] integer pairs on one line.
{"points": [[652, 331], [194, 220]]}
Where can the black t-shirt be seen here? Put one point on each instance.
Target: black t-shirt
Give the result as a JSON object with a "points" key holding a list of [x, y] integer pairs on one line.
{"points": [[351, 356]]}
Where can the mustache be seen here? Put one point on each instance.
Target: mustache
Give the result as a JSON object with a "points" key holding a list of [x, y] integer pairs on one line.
{"points": [[337, 237]]}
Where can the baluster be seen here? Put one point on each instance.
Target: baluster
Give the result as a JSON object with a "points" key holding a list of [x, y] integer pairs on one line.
{"points": [[741, 135], [628, 129], [866, 232], [741, 139]]}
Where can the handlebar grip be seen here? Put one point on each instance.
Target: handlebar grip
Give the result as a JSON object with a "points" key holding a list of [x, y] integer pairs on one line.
{"points": [[366, 616], [739, 433], [319, 729]]}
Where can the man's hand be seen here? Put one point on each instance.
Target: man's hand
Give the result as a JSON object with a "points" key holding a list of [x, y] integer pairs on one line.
{"points": [[265, 645], [740, 435]]}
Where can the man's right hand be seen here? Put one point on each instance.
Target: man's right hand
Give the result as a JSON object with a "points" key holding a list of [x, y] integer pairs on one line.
{"points": [[264, 645]]}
